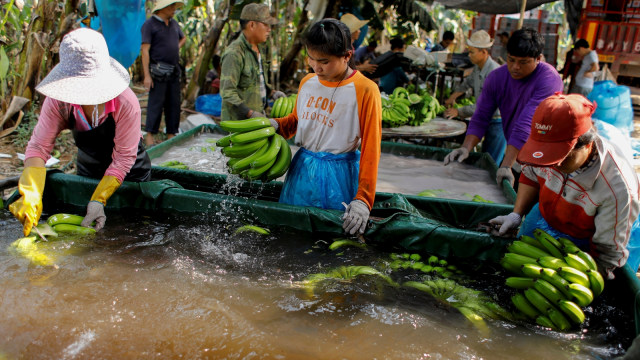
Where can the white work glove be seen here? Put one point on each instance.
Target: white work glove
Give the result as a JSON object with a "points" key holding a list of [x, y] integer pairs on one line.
{"points": [[256, 114], [504, 173], [355, 217], [274, 123], [278, 94], [507, 223], [459, 154], [95, 212]]}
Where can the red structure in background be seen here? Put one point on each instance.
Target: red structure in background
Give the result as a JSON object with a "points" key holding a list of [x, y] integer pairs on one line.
{"points": [[612, 28]]}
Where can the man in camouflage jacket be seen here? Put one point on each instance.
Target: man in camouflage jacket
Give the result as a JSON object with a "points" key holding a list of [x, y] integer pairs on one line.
{"points": [[243, 80]]}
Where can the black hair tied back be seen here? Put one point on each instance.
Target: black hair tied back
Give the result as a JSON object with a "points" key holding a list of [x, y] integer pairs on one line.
{"points": [[329, 36]]}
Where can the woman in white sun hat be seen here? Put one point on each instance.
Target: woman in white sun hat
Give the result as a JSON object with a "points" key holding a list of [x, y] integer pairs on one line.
{"points": [[87, 92]]}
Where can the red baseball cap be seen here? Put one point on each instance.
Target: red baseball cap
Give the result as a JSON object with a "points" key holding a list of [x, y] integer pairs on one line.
{"points": [[556, 126]]}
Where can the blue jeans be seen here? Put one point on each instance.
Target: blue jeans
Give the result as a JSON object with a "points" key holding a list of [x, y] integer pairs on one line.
{"points": [[494, 141]]}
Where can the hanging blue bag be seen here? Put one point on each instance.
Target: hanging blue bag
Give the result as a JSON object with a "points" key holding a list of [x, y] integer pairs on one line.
{"points": [[121, 22]]}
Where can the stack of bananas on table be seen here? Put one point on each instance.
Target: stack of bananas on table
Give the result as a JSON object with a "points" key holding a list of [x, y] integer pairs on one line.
{"points": [[556, 277], [395, 109], [255, 150], [283, 106], [403, 108]]}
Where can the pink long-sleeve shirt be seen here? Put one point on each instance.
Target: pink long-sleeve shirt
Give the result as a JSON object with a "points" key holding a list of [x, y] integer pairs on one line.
{"points": [[54, 117]]}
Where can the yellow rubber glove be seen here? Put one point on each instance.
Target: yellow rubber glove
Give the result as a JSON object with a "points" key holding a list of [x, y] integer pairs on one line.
{"points": [[95, 209], [28, 207], [107, 186]]}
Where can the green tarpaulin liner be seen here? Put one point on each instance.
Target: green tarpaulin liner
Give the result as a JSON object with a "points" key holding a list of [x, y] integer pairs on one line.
{"points": [[203, 181], [434, 226]]}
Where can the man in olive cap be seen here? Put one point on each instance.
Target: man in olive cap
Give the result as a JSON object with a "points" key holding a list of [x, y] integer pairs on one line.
{"points": [[243, 78]]}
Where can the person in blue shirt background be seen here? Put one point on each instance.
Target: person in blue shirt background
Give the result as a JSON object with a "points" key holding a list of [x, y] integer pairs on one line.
{"points": [[397, 77]]}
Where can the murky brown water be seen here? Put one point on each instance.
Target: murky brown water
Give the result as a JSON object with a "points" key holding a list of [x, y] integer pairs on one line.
{"points": [[396, 174], [188, 288]]}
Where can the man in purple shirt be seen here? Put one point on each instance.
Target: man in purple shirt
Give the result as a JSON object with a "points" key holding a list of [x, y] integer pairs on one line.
{"points": [[516, 89]]}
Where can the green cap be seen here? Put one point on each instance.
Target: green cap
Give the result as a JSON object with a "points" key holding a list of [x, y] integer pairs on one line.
{"points": [[257, 12]]}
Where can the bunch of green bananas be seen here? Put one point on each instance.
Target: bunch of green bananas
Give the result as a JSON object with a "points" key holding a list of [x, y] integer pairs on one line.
{"points": [[283, 106], [432, 265], [174, 164], [395, 110], [557, 279], [473, 304], [255, 150], [464, 102], [43, 253]]}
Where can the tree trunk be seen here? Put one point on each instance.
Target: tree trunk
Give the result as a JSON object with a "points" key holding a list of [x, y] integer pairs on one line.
{"points": [[210, 46], [288, 65]]}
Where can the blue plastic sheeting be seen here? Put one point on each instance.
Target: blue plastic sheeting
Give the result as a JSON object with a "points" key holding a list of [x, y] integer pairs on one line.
{"points": [[614, 104], [121, 22], [210, 104]]}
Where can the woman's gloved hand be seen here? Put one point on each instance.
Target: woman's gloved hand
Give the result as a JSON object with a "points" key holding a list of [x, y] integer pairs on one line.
{"points": [[278, 94], [504, 173], [459, 154], [355, 217], [95, 209], [95, 212], [274, 123], [508, 223], [28, 207]]}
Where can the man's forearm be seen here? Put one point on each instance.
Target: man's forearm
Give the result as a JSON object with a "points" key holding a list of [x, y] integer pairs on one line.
{"points": [[510, 156]]}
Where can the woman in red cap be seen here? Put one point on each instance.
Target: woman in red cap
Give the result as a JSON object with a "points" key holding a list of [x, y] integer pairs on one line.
{"points": [[585, 188]]}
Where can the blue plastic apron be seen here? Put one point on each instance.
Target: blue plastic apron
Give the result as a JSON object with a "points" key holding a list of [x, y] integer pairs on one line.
{"points": [[321, 179], [534, 220]]}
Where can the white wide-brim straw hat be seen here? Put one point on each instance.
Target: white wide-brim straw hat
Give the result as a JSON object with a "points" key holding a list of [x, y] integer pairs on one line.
{"points": [[480, 39], [86, 74], [352, 22], [161, 4]]}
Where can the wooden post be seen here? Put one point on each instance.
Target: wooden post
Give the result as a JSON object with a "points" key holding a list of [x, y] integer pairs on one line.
{"points": [[521, 20]]}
